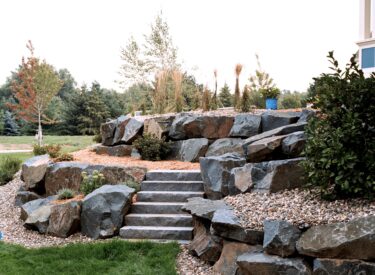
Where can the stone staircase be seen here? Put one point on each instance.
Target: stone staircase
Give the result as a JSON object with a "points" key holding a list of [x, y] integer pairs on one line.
{"points": [[157, 214]]}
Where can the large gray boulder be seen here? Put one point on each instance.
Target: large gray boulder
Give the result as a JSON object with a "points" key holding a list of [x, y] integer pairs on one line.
{"points": [[158, 126], [116, 151], [28, 208], [268, 176], [68, 175], [225, 224], [264, 149], [245, 125], [187, 126], [280, 237], [283, 130], [39, 219], [342, 267], [231, 250], [205, 245], [225, 145], [23, 197], [293, 144], [204, 208], [216, 172], [272, 120], [109, 129], [64, 219], [128, 130], [259, 263], [104, 209], [34, 169], [306, 115], [192, 149], [351, 240]]}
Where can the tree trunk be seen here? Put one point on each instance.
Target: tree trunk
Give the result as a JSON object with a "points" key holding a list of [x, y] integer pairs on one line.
{"points": [[40, 134]]}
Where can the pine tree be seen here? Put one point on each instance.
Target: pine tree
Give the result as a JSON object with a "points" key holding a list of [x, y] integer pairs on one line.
{"points": [[2, 116], [10, 126], [237, 93], [206, 100], [226, 98], [246, 101]]}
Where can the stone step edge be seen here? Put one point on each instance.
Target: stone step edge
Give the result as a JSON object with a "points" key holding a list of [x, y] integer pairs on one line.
{"points": [[173, 181], [157, 228], [172, 192], [174, 171], [158, 215], [158, 203], [156, 240]]}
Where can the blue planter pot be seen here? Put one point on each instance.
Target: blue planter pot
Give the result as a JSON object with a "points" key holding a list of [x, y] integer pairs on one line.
{"points": [[271, 103]]}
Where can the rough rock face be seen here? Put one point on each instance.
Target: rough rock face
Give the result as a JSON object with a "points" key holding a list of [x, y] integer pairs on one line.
{"points": [[68, 175], [205, 245], [283, 130], [306, 115], [352, 240], [280, 238], [187, 126], [64, 219], [259, 263], [158, 126], [23, 197], [128, 130], [117, 151], [245, 125], [104, 209], [216, 172], [34, 169], [39, 218], [28, 208], [225, 145], [225, 224], [336, 266], [192, 149], [107, 131], [269, 176], [293, 144], [272, 120], [264, 149], [231, 250], [204, 208]]}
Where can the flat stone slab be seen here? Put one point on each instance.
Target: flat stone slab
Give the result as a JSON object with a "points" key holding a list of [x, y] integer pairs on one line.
{"points": [[204, 208]]}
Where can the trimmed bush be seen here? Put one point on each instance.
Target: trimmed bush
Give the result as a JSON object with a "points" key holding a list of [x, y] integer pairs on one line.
{"points": [[91, 182], [133, 184], [9, 166], [340, 146], [53, 150], [64, 157], [65, 194], [152, 148]]}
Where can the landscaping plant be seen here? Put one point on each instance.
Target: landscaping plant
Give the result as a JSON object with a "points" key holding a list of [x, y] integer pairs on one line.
{"points": [[8, 168], [64, 157], [152, 148], [237, 93], [246, 102], [340, 146], [53, 150], [133, 184], [65, 194], [91, 182]]}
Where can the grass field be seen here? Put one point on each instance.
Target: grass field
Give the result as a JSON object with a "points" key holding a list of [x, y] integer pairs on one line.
{"points": [[21, 156], [113, 257]]}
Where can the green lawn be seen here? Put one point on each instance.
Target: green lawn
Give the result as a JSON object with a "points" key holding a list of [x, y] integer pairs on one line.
{"points": [[21, 156], [68, 143], [113, 257]]}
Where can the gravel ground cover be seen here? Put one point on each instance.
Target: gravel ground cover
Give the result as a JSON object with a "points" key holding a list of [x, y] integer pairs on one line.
{"points": [[303, 208], [187, 264]]}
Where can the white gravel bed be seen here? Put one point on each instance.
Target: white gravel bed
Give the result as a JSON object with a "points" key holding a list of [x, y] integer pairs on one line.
{"points": [[187, 264], [303, 208], [12, 227]]}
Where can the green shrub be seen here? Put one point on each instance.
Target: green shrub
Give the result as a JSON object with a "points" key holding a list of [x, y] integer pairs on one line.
{"points": [[271, 92], [289, 100], [340, 146], [65, 194], [152, 148], [133, 184], [91, 182], [64, 157], [97, 138], [9, 166], [53, 150]]}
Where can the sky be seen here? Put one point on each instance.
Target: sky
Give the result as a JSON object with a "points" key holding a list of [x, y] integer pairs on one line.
{"points": [[292, 37]]}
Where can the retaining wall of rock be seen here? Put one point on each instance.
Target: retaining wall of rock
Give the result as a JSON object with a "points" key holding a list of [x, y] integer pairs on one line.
{"points": [[281, 248], [211, 135]]}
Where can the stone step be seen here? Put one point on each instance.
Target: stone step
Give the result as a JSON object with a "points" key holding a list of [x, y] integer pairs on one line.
{"points": [[166, 196], [174, 175], [157, 208], [156, 232], [183, 220], [193, 186]]}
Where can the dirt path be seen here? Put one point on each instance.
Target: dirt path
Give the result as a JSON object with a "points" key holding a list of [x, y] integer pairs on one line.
{"points": [[4, 147]]}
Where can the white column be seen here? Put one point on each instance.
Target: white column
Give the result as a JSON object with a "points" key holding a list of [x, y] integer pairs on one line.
{"points": [[372, 19], [364, 19]]}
